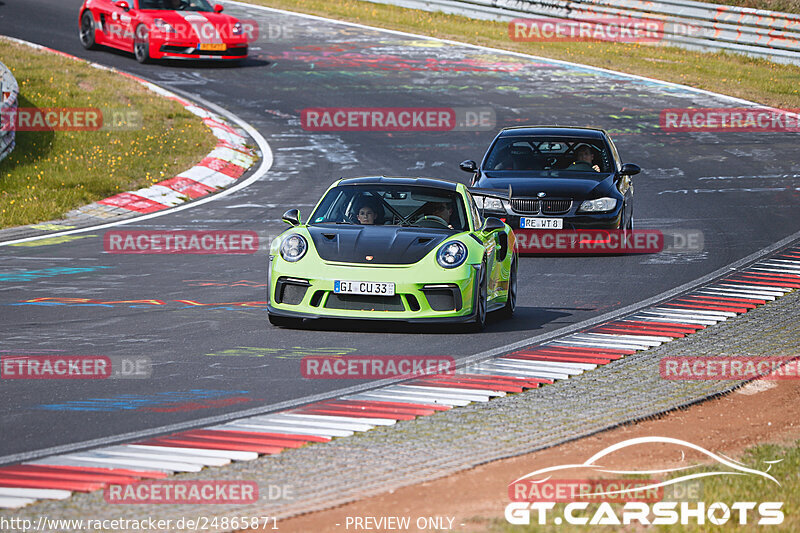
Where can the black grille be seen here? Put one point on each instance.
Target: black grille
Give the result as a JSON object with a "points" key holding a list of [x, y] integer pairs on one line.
{"points": [[443, 299], [555, 207], [548, 206], [290, 292], [527, 206], [413, 304], [359, 302]]}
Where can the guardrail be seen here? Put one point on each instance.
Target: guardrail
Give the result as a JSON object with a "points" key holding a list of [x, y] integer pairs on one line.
{"points": [[695, 25], [9, 91]]}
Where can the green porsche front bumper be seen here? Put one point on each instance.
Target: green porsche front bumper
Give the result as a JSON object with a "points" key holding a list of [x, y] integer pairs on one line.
{"points": [[423, 291]]}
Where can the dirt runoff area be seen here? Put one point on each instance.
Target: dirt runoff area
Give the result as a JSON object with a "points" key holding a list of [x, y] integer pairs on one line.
{"points": [[761, 412]]}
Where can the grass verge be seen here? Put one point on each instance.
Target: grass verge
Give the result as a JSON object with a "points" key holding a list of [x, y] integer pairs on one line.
{"points": [[726, 489], [52, 172], [732, 74]]}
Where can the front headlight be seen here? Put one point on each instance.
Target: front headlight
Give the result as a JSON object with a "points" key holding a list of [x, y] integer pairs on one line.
{"points": [[451, 254], [163, 26], [600, 205], [237, 28], [293, 248], [492, 204]]}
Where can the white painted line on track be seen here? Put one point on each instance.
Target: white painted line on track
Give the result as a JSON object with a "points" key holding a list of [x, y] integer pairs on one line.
{"points": [[339, 418], [536, 365], [65, 461], [780, 290], [456, 389], [39, 494], [698, 312], [526, 370], [474, 396], [379, 395], [620, 339], [662, 317], [350, 426], [275, 428], [579, 343], [165, 455], [119, 462], [546, 363], [233, 455], [722, 293], [8, 502]]}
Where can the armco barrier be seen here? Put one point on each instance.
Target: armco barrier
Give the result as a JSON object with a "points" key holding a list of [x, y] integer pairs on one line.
{"points": [[695, 25], [9, 91]]}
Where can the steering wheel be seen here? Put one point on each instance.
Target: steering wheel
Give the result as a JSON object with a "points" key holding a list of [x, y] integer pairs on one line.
{"points": [[581, 166], [434, 219]]}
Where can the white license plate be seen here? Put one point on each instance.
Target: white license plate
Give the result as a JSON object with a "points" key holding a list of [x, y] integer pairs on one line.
{"points": [[541, 223], [376, 288]]}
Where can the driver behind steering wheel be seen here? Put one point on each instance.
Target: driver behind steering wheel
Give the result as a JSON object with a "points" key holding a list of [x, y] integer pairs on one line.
{"points": [[584, 159], [440, 210]]}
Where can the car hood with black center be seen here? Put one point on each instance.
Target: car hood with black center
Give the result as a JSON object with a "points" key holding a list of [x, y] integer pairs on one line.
{"points": [[386, 245], [568, 185]]}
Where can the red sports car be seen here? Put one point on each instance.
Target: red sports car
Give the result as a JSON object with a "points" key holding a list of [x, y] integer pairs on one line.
{"points": [[156, 29]]}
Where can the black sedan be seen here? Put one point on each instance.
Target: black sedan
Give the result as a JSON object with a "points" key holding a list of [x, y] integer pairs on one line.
{"points": [[556, 178]]}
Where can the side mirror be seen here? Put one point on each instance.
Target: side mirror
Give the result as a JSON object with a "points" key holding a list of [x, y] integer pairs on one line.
{"points": [[468, 166], [629, 169], [218, 8], [292, 217], [493, 224], [122, 4]]}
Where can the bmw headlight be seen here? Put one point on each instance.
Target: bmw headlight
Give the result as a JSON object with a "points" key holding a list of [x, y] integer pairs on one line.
{"points": [[491, 204], [451, 254], [599, 205], [293, 248]]}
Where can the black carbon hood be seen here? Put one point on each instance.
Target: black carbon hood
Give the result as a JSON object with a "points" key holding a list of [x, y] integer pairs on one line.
{"points": [[387, 245]]}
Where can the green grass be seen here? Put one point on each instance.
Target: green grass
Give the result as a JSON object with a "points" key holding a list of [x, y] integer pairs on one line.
{"points": [[52, 172], [725, 489], [732, 74]]}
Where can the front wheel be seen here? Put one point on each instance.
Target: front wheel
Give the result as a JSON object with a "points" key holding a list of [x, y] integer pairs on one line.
{"points": [[141, 44], [87, 31]]}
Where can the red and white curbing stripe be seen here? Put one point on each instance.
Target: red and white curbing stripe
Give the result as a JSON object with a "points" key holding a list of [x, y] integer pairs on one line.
{"points": [[219, 169], [229, 160], [55, 477]]}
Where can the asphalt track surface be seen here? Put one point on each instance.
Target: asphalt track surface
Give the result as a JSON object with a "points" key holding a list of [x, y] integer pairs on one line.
{"points": [[740, 190]]}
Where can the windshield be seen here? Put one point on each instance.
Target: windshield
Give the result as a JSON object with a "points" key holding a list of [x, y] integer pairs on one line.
{"points": [[180, 5], [549, 154], [392, 205]]}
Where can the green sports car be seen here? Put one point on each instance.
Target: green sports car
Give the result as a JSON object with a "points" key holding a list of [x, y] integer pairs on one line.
{"points": [[408, 249]]}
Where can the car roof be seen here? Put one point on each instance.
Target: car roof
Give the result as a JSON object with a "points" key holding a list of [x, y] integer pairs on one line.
{"points": [[384, 180], [553, 131]]}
